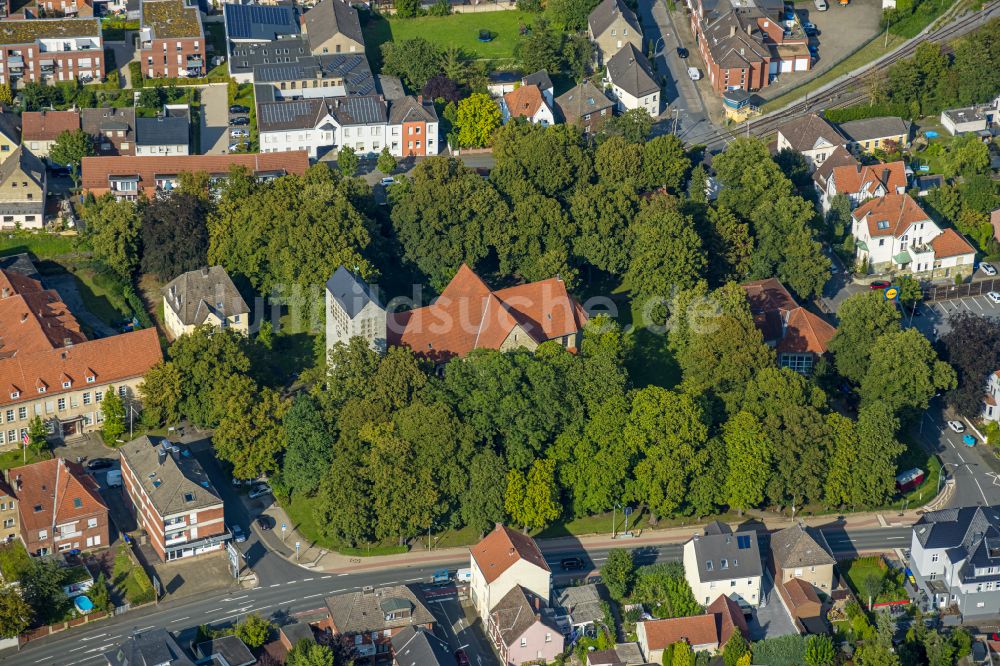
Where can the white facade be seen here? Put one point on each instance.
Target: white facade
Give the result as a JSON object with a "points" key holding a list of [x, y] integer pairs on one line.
{"points": [[746, 588], [407, 139], [353, 310], [363, 139], [543, 115], [485, 595], [991, 402], [627, 102], [816, 155], [165, 150]]}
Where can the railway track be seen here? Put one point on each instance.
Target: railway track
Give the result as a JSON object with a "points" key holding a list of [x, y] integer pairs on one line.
{"points": [[845, 92]]}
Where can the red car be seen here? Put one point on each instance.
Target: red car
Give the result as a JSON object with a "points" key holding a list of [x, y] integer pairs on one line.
{"points": [[461, 658], [879, 284]]}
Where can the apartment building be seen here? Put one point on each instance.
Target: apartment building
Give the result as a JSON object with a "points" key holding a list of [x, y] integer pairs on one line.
{"points": [[371, 617], [51, 50], [173, 499], [171, 39], [720, 562], [308, 76], [9, 525], [250, 30]]}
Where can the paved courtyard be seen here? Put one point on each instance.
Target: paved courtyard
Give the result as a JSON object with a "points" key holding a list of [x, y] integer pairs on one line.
{"points": [[770, 619]]}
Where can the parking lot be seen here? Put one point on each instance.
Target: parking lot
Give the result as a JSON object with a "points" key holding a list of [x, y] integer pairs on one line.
{"points": [[932, 319]]}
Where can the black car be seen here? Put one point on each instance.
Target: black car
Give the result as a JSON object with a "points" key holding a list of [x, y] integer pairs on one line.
{"points": [[264, 523], [100, 463], [682, 52], [242, 120], [239, 108], [571, 564]]}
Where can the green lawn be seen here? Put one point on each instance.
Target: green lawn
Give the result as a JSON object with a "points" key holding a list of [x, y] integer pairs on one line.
{"points": [[299, 511], [101, 295], [42, 245], [130, 579], [14, 561], [857, 571], [18, 457]]}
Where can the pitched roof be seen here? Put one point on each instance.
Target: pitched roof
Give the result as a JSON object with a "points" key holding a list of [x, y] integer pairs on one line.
{"points": [[810, 131], [630, 70], [419, 647], [196, 294], [350, 292], [10, 125], [55, 491], [502, 548], [540, 78], [171, 477], [348, 72], [365, 611], [524, 101], [516, 612], [581, 602], [868, 129], [729, 618], [890, 215], [609, 11], [35, 321], [840, 157], [259, 22], [146, 648], [409, 109], [726, 556], [23, 162], [805, 332], [48, 125], [162, 131], [474, 317], [950, 243], [582, 99], [799, 546], [329, 18], [783, 322], [696, 630], [800, 592], [108, 119], [233, 651], [858, 179], [734, 40]]}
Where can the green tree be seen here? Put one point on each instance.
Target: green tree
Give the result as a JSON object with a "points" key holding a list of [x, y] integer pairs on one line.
{"points": [[310, 653], [15, 613], [5, 94], [635, 125], [571, 14], [254, 630], [864, 318], [939, 651], [415, 61], [729, 243], [966, 156], [408, 8], [113, 230], [41, 586], [70, 148], [618, 573], [541, 497], [820, 651], [602, 213], [750, 461], [619, 162], [552, 161], [174, 237], [683, 655], [250, 434], [477, 120], [99, 594], [541, 48], [697, 185], [482, 503], [904, 372], [664, 162], [206, 359], [113, 411], [309, 451], [342, 486], [347, 161], [735, 649], [386, 163], [37, 433], [161, 392]]}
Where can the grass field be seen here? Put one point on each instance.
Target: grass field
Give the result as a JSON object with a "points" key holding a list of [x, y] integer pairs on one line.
{"points": [[857, 571], [130, 579], [42, 245], [17, 457], [101, 296]]}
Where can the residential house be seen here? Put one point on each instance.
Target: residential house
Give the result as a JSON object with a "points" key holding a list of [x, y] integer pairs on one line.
{"points": [[541, 79], [128, 177], [40, 129], [529, 103], [506, 559], [861, 183], [225, 651], [720, 562], [840, 157], [523, 629], [633, 81], [501, 82], [886, 133], [704, 633], [333, 26], [253, 27], [925, 183], [964, 121], [319, 124], [9, 527], [623, 654], [173, 500], [371, 617], [798, 336], [51, 50], [23, 185], [894, 234], [991, 400], [146, 648], [293, 633], [469, 315], [612, 25], [416, 646], [579, 606], [802, 553], [52, 371], [413, 127], [204, 297], [59, 507], [171, 39], [112, 130], [166, 135], [812, 136], [353, 310], [955, 559], [308, 76], [585, 106]]}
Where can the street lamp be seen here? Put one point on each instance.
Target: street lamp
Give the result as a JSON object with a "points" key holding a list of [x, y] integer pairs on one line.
{"points": [[614, 519]]}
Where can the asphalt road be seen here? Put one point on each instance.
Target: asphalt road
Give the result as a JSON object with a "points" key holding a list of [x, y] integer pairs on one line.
{"points": [[976, 482], [304, 590]]}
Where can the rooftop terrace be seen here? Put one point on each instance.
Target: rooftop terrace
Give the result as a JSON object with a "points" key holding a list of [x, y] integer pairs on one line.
{"points": [[171, 19]]}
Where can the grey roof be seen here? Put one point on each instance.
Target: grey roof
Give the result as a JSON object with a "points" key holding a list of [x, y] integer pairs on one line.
{"points": [[409, 109], [230, 648], [297, 631], [581, 602], [808, 131], [608, 12], [259, 22], [291, 114], [21, 264], [950, 528], [22, 207], [582, 99], [630, 70], [867, 129], [389, 86], [969, 114], [359, 110], [10, 125], [629, 653], [733, 39], [196, 294], [357, 612], [516, 612], [28, 163], [329, 18], [419, 647], [723, 556], [162, 131], [243, 57], [352, 293], [155, 647], [540, 78], [352, 68], [800, 546], [108, 119], [172, 478]]}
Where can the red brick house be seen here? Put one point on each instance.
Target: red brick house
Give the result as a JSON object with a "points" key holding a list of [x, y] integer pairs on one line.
{"points": [[172, 41], [51, 50], [59, 507]]}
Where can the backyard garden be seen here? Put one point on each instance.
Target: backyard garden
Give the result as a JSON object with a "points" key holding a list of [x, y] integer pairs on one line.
{"points": [[874, 581]]}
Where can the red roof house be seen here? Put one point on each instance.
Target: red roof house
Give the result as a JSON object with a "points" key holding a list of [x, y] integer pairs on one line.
{"points": [[798, 336]]}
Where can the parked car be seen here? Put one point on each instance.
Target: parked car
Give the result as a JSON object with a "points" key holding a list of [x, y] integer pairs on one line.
{"points": [[968, 440], [957, 426], [821, 5], [571, 563], [387, 181], [988, 269], [100, 463], [113, 478], [994, 297], [694, 73], [682, 52], [239, 133], [879, 284], [810, 28], [264, 523], [461, 659], [239, 108], [238, 534], [259, 491], [239, 120]]}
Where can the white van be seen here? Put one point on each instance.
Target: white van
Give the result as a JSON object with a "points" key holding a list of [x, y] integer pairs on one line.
{"points": [[114, 478], [694, 73]]}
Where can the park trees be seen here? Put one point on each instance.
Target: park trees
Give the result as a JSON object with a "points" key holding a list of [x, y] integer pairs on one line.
{"points": [[602, 213], [113, 230], [864, 318], [863, 464], [249, 434], [308, 449], [550, 160], [161, 391], [482, 503], [750, 455], [532, 499], [904, 373], [174, 239], [477, 120], [414, 60], [206, 359]]}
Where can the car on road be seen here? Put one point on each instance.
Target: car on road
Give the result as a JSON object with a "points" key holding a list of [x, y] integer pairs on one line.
{"points": [[994, 297], [694, 73], [239, 108], [571, 563], [879, 284], [988, 269], [259, 490], [100, 463], [968, 440], [387, 181], [239, 120], [957, 426], [682, 52], [239, 133], [238, 535], [461, 659], [264, 523]]}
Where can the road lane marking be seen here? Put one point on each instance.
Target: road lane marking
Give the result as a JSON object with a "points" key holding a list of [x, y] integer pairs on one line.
{"points": [[306, 580], [313, 596], [292, 582], [180, 619], [236, 598], [325, 577], [960, 456], [343, 574], [413, 580], [276, 585], [37, 661], [893, 538], [79, 648], [981, 490], [214, 610], [93, 637]]}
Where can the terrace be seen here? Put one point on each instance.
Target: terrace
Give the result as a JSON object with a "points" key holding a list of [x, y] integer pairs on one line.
{"points": [[171, 19], [29, 32]]}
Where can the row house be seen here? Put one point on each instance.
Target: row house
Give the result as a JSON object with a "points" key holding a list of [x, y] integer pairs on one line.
{"points": [[893, 234], [129, 177], [112, 130], [51, 50], [370, 618], [40, 129], [172, 498], [171, 39], [333, 26], [59, 507]]}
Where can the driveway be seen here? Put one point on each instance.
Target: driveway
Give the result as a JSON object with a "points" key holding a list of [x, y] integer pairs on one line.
{"points": [[65, 285], [214, 119], [770, 619], [124, 54], [458, 624]]}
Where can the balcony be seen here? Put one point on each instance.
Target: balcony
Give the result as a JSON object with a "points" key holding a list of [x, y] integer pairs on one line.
{"points": [[173, 540], [173, 527]]}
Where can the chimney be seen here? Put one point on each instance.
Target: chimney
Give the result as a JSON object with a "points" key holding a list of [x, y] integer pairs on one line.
{"points": [[6, 292], [161, 456], [420, 100], [17, 483], [24, 317], [204, 271]]}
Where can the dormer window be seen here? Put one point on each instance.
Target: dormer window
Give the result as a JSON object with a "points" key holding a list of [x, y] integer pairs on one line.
{"points": [[91, 379], [67, 384], [41, 389], [883, 224], [14, 395]]}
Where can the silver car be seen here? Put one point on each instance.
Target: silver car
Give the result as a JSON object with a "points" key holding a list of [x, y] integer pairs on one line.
{"points": [[821, 5]]}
